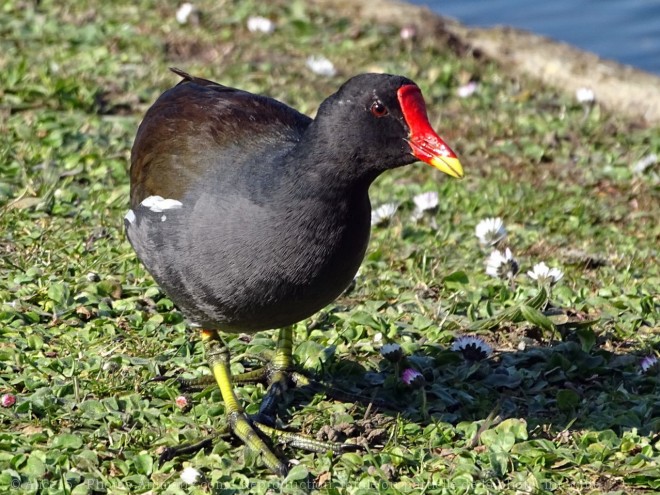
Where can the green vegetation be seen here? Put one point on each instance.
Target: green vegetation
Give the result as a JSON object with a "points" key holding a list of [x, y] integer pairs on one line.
{"points": [[559, 407]]}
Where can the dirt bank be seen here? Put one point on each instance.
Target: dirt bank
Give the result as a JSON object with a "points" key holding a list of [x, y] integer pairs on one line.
{"points": [[622, 89]]}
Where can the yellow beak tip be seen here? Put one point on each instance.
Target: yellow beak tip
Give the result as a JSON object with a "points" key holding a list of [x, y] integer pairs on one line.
{"points": [[450, 166]]}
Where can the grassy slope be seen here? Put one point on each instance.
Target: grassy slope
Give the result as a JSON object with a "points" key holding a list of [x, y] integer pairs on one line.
{"points": [[77, 349]]}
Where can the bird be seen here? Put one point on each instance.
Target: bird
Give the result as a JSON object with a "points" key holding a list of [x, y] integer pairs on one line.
{"points": [[253, 216]]}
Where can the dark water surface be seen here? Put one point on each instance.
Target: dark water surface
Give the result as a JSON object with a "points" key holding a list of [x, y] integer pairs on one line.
{"points": [[627, 31]]}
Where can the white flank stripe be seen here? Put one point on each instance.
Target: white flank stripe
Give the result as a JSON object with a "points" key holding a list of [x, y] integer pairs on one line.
{"points": [[159, 204], [130, 216]]}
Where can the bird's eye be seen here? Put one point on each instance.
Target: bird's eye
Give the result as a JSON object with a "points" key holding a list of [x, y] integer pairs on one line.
{"points": [[378, 109]]}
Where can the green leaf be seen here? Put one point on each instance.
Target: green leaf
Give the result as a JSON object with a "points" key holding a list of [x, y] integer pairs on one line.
{"points": [[81, 489], [58, 292], [587, 338], [35, 342], [499, 461], [311, 354], [67, 441], [366, 319], [456, 279], [35, 468], [93, 409], [505, 440], [567, 399], [353, 460], [143, 463], [298, 473], [537, 318], [517, 427]]}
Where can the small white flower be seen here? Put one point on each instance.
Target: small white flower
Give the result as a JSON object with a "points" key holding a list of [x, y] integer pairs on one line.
{"points": [[184, 11], [502, 265], [641, 165], [408, 32], [383, 213], [648, 362], [392, 352], [544, 275], [473, 348], [321, 66], [257, 24], [424, 202], [467, 90], [585, 95], [190, 475], [110, 366], [490, 231]]}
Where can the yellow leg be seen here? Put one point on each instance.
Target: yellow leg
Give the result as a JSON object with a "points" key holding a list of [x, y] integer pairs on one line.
{"points": [[217, 355], [278, 373]]}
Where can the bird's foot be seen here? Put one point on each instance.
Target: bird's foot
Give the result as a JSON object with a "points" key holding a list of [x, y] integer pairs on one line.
{"points": [[254, 431], [184, 449]]}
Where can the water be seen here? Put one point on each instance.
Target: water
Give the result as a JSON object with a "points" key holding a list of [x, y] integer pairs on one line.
{"points": [[627, 31]]}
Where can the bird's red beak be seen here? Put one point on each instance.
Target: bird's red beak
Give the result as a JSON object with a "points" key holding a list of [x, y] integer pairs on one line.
{"points": [[424, 141]]}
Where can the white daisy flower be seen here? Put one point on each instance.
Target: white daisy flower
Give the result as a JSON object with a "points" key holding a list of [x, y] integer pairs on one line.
{"points": [[490, 231], [467, 90], [585, 95], [424, 202], [190, 475], [383, 213], [648, 362], [408, 32], [321, 66], [502, 265], [472, 348], [184, 12], [641, 165], [544, 274], [258, 24]]}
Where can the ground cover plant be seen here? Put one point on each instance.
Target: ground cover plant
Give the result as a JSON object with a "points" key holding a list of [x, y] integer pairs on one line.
{"points": [[563, 397]]}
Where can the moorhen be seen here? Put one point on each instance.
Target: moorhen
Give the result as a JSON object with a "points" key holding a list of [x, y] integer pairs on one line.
{"points": [[252, 216]]}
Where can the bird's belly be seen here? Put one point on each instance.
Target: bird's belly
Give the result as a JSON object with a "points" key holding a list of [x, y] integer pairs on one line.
{"points": [[242, 286]]}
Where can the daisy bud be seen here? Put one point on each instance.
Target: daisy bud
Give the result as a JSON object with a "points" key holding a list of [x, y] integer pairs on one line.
{"points": [[181, 402], [392, 352], [413, 378], [7, 400], [648, 362]]}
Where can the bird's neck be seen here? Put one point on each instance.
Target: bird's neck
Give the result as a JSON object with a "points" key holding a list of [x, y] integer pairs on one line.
{"points": [[326, 166]]}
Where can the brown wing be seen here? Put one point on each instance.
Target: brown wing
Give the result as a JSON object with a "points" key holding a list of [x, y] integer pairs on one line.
{"points": [[198, 126]]}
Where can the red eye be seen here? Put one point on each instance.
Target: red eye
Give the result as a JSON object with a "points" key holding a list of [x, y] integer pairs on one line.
{"points": [[378, 109]]}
